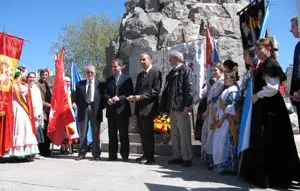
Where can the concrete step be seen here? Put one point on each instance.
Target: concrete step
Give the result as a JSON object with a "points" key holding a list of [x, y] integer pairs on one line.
{"points": [[160, 149], [136, 138]]}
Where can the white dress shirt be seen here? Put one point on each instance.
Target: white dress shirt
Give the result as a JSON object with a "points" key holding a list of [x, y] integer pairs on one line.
{"points": [[148, 69], [92, 88]]}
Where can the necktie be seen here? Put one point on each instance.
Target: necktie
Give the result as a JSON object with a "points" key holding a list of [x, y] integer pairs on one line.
{"points": [[117, 79], [89, 92], [144, 74]]}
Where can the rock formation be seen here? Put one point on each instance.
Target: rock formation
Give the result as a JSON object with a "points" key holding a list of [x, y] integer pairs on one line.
{"points": [[150, 25]]}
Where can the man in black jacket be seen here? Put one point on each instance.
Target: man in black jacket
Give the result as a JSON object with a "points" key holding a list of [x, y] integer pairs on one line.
{"points": [[118, 87], [177, 99], [147, 89], [89, 101], [295, 81]]}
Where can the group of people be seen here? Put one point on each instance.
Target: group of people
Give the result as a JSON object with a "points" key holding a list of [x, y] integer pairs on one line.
{"points": [[30, 107], [271, 159]]}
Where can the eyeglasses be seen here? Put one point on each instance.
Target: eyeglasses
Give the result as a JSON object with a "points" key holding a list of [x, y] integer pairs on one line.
{"points": [[90, 72]]}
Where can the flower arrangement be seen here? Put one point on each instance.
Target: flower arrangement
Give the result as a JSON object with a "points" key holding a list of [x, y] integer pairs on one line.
{"points": [[162, 124]]}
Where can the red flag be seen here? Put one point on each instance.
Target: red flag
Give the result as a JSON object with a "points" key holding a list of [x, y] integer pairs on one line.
{"points": [[10, 53], [60, 113], [209, 48]]}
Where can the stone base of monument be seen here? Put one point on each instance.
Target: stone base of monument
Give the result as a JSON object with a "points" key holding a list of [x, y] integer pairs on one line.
{"points": [[161, 147]]}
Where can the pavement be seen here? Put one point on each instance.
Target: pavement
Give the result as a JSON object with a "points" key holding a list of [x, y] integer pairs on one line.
{"points": [[63, 173]]}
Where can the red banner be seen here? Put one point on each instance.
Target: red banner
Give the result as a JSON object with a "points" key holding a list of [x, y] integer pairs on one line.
{"points": [[10, 53], [60, 113]]}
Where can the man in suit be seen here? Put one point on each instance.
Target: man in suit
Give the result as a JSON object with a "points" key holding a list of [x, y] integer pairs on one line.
{"points": [[118, 87], [295, 81], [46, 97], [88, 98], [148, 86]]}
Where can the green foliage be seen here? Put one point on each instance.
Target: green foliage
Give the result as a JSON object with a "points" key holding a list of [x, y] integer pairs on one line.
{"points": [[85, 41]]}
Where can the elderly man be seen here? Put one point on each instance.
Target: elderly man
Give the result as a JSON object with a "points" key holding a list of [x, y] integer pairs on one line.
{"points": [[147, 89], [118, 87], [177, 99], [88, 98], [295, 82]]}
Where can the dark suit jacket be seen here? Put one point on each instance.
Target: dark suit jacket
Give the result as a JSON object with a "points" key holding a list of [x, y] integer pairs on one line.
{"points": [[82, 104], [46, 97], [122, 90], [148, 86], [295, 81]]}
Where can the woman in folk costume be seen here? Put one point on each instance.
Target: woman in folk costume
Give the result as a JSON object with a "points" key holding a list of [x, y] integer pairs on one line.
{"points": [[250, 67], [226, 136], [71, 134], [208, 126], [25, 143], [272, 159], [36, 97]]}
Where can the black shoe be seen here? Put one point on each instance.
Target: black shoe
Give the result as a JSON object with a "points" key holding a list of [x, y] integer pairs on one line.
{"points": [[147, 161], [80, 157], [186, 163], [96, 158], [112, 159], [125, 159], [175, 161], [139, 159]]}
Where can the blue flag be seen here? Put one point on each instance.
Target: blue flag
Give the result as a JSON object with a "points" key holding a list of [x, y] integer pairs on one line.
{"points": [[75, 78], [245, 125]]}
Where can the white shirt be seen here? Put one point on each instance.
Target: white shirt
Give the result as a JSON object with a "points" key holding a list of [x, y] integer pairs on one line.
{"points": [[92, 88], [271, 88], [148, 69]]}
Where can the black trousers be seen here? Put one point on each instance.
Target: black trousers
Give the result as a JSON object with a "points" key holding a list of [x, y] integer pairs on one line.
{"points": [[44, 148], [118, 123], [145, 124], [95, 125]]}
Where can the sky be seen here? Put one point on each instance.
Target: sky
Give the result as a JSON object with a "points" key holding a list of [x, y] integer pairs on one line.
{"points": [[40, 23]]}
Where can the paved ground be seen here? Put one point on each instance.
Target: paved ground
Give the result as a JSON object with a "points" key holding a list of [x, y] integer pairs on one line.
{"points": [[63, 173]]}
